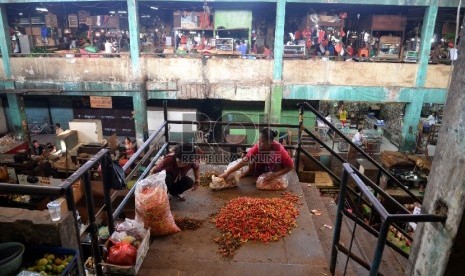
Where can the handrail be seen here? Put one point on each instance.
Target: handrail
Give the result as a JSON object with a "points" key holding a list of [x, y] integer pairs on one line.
{"points": [[376, 164], [125, 200], [245, 124], [143, 147], [387, 220], [229, 145], [31, 189]]}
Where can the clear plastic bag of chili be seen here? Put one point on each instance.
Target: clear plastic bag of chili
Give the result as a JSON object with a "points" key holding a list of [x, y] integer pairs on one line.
{"points": [[274, 184], [153, 206]]}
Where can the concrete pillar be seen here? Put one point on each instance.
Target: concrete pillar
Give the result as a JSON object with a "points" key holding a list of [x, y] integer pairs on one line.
{"points": [[5, 42], [413, 109], [279, 40], [411, 119], [133, 18], [427, 33], [275, 103], [438, 249], [276, 95], [17, 116], [139, 100]]}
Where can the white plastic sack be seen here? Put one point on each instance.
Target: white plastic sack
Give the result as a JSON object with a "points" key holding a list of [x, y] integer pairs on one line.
{"points": [[219, 183]]}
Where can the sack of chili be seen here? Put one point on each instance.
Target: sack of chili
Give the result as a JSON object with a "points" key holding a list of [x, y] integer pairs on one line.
{"points": [[275, 184], [153, 206]]}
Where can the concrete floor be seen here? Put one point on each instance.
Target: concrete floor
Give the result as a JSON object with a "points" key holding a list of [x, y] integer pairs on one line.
{"points": [[195, 252]]}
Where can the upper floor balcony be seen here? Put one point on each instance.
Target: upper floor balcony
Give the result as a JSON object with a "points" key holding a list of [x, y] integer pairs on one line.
{"points": [[224, 72]]}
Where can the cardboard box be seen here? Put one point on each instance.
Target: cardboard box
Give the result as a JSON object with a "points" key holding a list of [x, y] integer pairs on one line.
{"points": [[33, 31], [130, 270]]}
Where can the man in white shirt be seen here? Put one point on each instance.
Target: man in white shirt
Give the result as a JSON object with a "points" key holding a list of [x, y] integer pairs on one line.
{"points": [[358, 138], [108, 47], [431, 119]]}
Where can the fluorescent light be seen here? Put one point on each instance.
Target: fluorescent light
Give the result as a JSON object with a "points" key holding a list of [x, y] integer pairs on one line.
{"points": [[145, 16], [112, 12], [42, 9], [122, 12], [154, 8], [20, 13]]}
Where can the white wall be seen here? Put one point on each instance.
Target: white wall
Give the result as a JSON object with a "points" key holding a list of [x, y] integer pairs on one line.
{"points": [[155, 118]]}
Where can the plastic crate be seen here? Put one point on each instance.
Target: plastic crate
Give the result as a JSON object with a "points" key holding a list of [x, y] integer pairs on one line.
{"points": [[33, 253]]}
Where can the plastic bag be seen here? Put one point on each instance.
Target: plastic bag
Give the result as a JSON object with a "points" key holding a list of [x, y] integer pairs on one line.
{"points": [[122, 253], [153, 207], [278, 183], [219, 183], [118, 236], [132, 228]]}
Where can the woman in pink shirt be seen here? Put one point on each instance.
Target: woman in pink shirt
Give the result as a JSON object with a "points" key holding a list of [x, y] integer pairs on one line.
{"points": [[266, 156]]}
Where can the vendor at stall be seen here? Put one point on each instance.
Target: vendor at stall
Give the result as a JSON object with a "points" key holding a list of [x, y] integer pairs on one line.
{"points": [[266, 156], [58, 129], [432, 119], [129, 146], [177, 164], [342, 115], [358, 139], [37, 149]]}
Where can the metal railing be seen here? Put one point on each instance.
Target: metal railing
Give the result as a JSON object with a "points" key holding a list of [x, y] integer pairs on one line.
{"points": [[152, 149], [102, 158], [387, 220], [382, 170], [354, 196]]}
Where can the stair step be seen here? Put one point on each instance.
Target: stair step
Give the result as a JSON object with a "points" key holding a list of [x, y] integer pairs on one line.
{"points": [[364, 243]]}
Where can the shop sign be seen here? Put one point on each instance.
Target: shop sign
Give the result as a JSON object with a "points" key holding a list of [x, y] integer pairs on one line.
{"points": [[100, 102]]}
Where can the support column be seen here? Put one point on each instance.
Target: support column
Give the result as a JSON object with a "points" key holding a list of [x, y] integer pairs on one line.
{"points": [[276, 95], [275, 103], [438, 249], [133, 18], [17, 116], [5, 42], [411, 119], [139, 101], [427, 32], [413, 109]]}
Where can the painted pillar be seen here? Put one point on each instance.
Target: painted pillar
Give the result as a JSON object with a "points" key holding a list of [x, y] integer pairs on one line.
{"points": [[411, 119], [17, 116], [5, 42], [139, 101], [413, 109], [133, 18], [438, 248], [427, 33], [276, 95]]}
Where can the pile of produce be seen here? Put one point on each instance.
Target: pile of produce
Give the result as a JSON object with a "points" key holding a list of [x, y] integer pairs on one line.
{"points": [[51, 264], [255, 219], [188, 223], [7, 142], [124, 243]]}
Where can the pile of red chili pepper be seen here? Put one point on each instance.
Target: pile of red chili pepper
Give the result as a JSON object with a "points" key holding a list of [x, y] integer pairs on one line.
{"points": [[186, 223], [290, 197], [256, 219]]}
